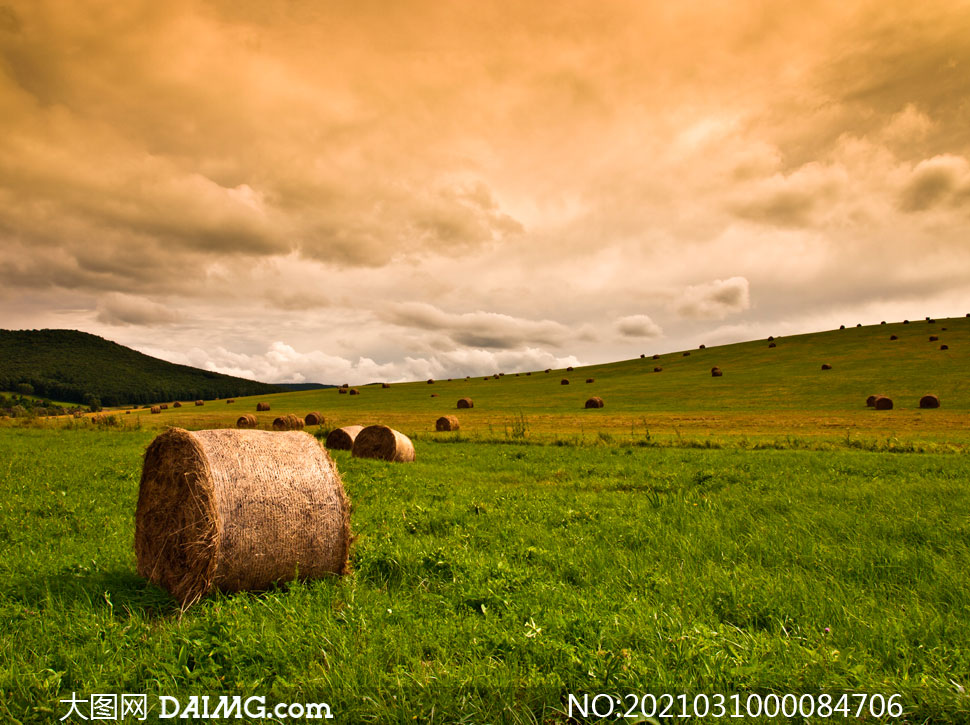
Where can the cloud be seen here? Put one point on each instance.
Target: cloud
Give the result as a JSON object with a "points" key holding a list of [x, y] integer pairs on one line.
{"points": [[121, 309], [638, 326], [715, 300], [935, 182]]}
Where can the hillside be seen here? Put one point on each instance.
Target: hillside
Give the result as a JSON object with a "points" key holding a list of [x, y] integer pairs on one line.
{"points": [[70, 365]]}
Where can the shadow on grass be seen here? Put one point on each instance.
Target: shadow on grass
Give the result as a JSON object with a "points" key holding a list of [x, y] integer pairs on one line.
{"points": [[122, 593]]}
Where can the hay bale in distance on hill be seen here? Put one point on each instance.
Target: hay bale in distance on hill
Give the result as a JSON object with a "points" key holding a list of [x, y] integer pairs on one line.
{"points": [[385, 385], [883, 403], [314, 418], [434, 395], [176, 404], [354, 391], [262, 407], [230, 400], [466, 403], [934, 338], [894, 337], [569, 369], [342, 439], [342, 391], [156, 409], [658, 370], [288, 422], [944, 347], [701, 347], [200, 402], [686, 354], [210, 499], [548, 370], [564, 381], [590, 380], [841, 327], [716, 372], [384, 443], [929, 401], [164, 406], [430, 381], [594, 402], [642, 355], [826, 366], [656, 357], [248, 420], [446, 422]]}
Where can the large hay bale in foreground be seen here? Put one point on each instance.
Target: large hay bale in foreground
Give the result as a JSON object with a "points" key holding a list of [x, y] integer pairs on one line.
{"points": [[716, 372], [594, 402], [446, 422], [883, 403], [929, 401], [262, 407], [288, 422], [156, 409], [200, 402], [246, 421], [238, 509], [314, 418], [466, 403], [342, 439], [387, 444]]}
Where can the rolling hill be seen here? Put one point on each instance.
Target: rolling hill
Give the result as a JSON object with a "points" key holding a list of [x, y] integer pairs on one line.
{"points": [[70, 365]]}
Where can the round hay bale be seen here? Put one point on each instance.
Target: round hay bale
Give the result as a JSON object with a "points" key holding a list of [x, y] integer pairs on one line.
{"points": [[826, 366], [871, 401], [164, 406], [345, 385], [594, 402], [931, 320], [933, 338], [127, 412], [288, 422], [548, 370], [230, 400], [434, 395], [314, 418], [858, 324], [590, 380], [656, 357], [716, 372], [702, 347], [944, 347], [770, 338], [176, 404], [905, 322], [200, 402], [430, 381], [501, 375], [642, 355], [238, 509], [894, 337], [687, 354], [248, 420], [929, 401], [262, 407], [564, 381], [569, 369], [495, 376], [354, 391], [156, 409], [883, 322], [466, 403], [771, 344], [446, 422], [342, 439], [386, 444], [342, 391], [658, 370], [385, 385], [527, 374], [883, 403], [485, 378], [841, 327]]}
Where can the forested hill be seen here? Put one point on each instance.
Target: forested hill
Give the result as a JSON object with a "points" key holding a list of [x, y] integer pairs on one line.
{"points": [[75, 366]]}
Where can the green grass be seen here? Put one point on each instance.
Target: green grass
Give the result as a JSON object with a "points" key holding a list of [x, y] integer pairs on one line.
{"points": [[491, 580]]}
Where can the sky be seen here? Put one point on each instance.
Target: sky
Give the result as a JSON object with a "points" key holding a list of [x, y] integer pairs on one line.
{"points": [[350, 191]]}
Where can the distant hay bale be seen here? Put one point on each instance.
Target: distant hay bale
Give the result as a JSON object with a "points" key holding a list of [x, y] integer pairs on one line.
{"points": [[501, 375], [944, 347], [590, 380], [716, 372], [594, 402], [701, 347], [933, 338], [342, 439], [826, 366], [548, 370], [247, 420], [656, 357], [527, 374], [446, 422], [127, 412], [770, 338], [342, 391], [238, 510], [485, 378], [883, 403], [354, 391], [858, 324], [642, 355], [841, 327], [314, 418], [871, 401], [230, 400], [200, 402], [434, 395], [176, 404], [564, 381], [466, 403], [156, 409], [261, 407], [658, 370], [288, 422], [931, 320], [929, 401], [569, 369], [894, 337], [385, 385], [345, 385], [430, 381], [883, 322], [384, 443], [771, 344], [905, 322], [164, 406], [686, 354]]}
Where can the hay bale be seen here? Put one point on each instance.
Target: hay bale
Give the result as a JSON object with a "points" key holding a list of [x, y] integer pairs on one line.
{"points": [[156, 409], [841, 327], [569, 369], [858, 324], [200, 402], [929, 401], [446, 422], [702, 347], [642, 355], [594, 402], [430, 381], [590, 380], [127, 412], [883, 403], [434, 395], [495, 376], [548, 370], [238, 509], [687, 354], [247, 420], [176, 404], [164, 406], [564, 381], [894, 337], [466, 403], [230, 400], [931, 320], [871, 401], [933, 338], [342, 391], [314, 418], [826, 366], [342, 439], [771, 344], [354, 391], [658, 370], [883, 322], [527, 374], [386, 444], [288, 422], [345, 385], [485, 378], [656, 357], [261, 407], [905, 322], [385, 385], [716, 372], [501, 375], [944, 347], [770, 338]]}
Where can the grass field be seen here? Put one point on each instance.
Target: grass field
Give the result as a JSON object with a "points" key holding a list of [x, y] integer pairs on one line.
{"points": [[686, 539]]}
